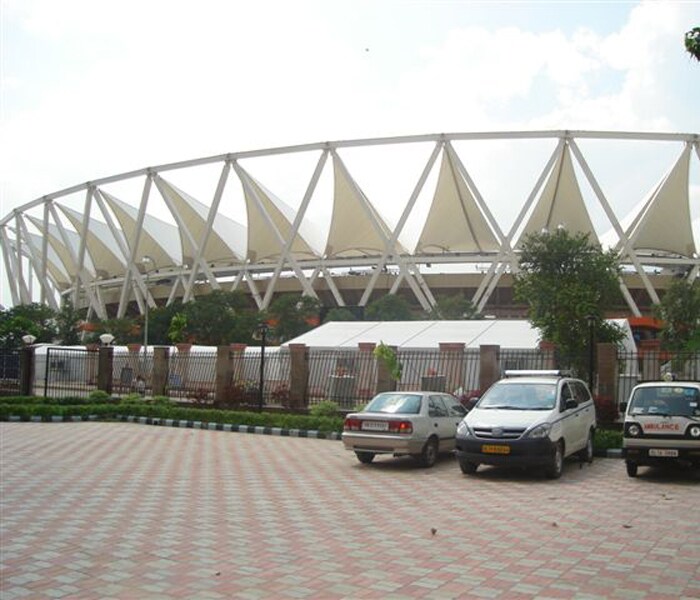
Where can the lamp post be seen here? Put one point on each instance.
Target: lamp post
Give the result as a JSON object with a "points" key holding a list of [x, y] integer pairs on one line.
{"points": [[106, 339], [261, 334], [144, 260], [591, 320]]}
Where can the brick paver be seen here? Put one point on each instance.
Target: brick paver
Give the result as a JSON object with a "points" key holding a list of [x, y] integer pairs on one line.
{"points": [[119, 510]]}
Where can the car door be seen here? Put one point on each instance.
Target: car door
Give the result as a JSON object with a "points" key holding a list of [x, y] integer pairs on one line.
{"points": [[442, 423], [570, 420], [586, 411]]}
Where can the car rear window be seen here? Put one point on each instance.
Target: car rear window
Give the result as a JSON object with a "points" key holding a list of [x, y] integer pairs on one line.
{"points": [[400, 404]]}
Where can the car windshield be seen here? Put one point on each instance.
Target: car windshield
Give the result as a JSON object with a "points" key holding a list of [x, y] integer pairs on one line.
{"points": [[671, 400], [403, 404], [520, 396]]}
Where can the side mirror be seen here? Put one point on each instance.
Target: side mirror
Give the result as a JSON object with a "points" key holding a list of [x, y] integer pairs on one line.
{"points": [[571, 404], [471, 403], [623, 407]]}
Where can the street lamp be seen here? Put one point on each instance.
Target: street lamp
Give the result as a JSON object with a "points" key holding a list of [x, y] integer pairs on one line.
{"points": [[28, 339], [144, 260], [261, 334], [591, 320], [106, 339]]}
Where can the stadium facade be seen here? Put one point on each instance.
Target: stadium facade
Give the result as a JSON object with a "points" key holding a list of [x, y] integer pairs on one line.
{"points": [[421, 216]]}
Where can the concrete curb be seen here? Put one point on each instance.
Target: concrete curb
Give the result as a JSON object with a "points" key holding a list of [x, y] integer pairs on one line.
{"points": [[255, 429]]}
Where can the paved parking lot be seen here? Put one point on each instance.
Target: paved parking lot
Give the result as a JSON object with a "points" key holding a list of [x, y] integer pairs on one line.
{"points": [[98, 510]]}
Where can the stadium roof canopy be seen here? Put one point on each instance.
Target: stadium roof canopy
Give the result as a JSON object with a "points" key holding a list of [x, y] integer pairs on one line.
{"points": [[402, 206]]}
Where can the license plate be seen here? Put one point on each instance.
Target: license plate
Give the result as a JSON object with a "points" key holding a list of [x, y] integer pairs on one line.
{"points": [[663, 452], [495, 449], [375, 426]]}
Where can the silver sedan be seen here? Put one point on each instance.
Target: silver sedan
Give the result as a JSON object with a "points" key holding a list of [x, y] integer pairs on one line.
{"points": [[419, 424]]}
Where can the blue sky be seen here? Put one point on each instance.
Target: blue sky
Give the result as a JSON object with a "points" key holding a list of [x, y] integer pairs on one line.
{"points": [[89, 89]]}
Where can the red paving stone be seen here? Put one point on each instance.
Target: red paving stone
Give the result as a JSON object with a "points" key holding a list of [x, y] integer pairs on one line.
{"points": [[120, 510]]}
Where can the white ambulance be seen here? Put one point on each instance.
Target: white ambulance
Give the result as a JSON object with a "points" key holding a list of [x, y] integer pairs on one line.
{"points": [[662, 425]]}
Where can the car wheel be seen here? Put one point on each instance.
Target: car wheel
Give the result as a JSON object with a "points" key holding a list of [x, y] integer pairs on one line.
{"points": [[365, 457], [587, 453], [429, 454], [468, 467], [556, 467], [631, 468]]}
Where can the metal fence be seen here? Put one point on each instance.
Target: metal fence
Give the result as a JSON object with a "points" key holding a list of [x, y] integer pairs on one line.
{"points": [[9, 372], [346, 376], [65, 372]]}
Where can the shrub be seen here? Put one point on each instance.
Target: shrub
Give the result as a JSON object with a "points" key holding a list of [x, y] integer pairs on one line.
{"points": [[99, 395], [607, 439], [327, 408]]}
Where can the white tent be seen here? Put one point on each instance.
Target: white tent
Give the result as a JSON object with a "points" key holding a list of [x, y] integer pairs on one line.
{"points": [[510, 334]]}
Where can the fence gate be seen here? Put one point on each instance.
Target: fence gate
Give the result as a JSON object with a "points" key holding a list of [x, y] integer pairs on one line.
{"points": [[67, 371]]}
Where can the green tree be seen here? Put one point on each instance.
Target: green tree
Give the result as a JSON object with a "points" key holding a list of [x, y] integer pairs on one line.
{"points": [[692, 42], [220, 318], [33, 319], [565, 279], [679, 309], [293, 315], [68, 320], [339, 314], [389, 308], [454, 308]]}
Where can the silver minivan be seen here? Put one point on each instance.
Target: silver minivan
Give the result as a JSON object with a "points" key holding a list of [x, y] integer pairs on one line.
{"points": [[529, 418]]}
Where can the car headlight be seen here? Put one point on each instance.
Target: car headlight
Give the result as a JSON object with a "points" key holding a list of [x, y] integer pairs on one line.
{"points": [[694, 431], [634, 430], [539, 431], [464, 430]]}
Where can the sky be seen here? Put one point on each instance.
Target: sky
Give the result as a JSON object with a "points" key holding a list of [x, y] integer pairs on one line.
{"points": [[90, 89]]}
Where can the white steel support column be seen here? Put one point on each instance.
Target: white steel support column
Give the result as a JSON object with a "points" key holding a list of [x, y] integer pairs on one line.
{"points": [[199, 250], [507, 252], [185, 231], [285, 254], [402, 221], [134, 248], [34, 256], [243, 176], [7, 255], [126, 254], [593, 182]]}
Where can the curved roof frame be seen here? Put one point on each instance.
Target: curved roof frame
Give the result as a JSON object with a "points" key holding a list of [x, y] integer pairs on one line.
{"points": [[103, 232]]}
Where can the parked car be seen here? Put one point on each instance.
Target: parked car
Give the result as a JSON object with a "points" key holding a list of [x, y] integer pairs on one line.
{"points": [[419, 424], [662, 425], [529, 418]]}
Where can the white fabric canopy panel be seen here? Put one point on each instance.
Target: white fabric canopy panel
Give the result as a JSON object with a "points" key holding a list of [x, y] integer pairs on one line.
{"points": [[269, 243]]}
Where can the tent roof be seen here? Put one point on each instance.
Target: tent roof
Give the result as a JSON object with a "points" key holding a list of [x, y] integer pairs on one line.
{"points": [[422, 334], [507, 333]]}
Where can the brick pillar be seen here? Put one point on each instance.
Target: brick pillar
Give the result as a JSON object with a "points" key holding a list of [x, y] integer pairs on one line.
{"points": [[606, 400], [161, 370], [385, 382], [606, 367], [452, 365], [27, 370], [489, 366], [104, 368], [224, 374], [366, 370], [549, 355], [298, 375], [237, 355], [650, 353]]}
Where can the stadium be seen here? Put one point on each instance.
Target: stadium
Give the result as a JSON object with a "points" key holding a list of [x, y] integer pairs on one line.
{"points": [[422, 216]]}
